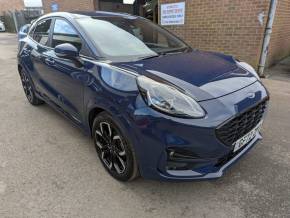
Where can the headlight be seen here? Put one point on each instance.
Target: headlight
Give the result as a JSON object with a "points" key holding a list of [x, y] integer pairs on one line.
{"points": [[248, 68], [167, 99]]}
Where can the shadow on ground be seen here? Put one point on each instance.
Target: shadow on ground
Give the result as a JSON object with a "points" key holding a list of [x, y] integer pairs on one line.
{"points": [[280, 71]]}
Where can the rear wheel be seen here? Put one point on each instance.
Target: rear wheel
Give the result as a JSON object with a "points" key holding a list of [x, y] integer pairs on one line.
{"points": [[29, 89], [114, 151]]}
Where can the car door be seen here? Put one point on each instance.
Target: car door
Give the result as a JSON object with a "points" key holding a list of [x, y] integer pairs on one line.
{"points": [[60, 80], [65, 76], [39, 50]]}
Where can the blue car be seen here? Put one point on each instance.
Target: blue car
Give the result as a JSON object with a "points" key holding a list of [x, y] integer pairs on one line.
{"points": [[153, 105]]}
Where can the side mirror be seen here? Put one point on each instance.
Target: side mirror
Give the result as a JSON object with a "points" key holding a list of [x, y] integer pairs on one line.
{"points": [[66, 50], [21, 35]]}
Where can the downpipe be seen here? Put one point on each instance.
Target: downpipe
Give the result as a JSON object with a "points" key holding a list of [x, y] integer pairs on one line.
{"points": [[267, 37]]}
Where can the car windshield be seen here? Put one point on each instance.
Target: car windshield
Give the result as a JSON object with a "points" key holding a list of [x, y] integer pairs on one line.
{"points": [[127, 38]]}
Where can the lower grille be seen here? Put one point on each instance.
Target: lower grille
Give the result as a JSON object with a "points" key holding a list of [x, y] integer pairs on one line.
{"points": [[236, 128]]}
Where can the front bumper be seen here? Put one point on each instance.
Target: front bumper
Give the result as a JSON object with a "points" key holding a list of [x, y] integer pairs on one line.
{"points": [[155, 133], [195, 175]]}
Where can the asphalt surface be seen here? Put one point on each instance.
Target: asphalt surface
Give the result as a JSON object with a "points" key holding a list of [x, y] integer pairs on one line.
{"points": [[48, 168]]}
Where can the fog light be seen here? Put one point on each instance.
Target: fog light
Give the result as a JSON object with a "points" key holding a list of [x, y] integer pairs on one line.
{"points": [[183, 159], [176, 166], [171, 153], [181, 154]]}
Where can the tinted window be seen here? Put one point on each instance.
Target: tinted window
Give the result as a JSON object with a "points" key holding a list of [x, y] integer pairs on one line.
{"points": [[123, 38], [63, 32], [41, 32], [31, 31]]}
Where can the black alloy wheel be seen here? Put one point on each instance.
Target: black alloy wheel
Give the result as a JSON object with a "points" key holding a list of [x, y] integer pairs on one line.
{"points": [[29, 89], [114, 151]]}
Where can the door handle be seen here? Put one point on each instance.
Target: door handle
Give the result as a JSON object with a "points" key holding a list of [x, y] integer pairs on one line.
{"points": [[49, 61]]}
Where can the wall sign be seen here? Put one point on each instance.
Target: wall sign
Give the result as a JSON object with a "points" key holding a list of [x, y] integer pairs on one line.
{"points": [[54, 7], [172, 14]]}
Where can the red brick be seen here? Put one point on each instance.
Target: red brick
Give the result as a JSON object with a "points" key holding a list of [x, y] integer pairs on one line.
{"points": [[6, 5], [228, 26]]}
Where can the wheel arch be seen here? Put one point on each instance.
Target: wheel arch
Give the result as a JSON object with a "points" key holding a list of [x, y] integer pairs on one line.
{"points": [[95, 111], [92, 114]]}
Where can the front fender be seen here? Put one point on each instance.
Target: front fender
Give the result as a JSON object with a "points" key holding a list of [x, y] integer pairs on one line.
{"points": [[104, 92]]}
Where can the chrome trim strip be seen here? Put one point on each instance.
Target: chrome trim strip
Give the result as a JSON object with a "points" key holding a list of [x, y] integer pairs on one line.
{"points": [[107, 65]]}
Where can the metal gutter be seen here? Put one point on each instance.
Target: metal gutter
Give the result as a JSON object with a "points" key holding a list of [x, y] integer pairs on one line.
{"points": [[267, 37]]}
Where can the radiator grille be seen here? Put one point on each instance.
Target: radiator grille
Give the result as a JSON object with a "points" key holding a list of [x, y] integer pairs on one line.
{"points": [[236, 128]]}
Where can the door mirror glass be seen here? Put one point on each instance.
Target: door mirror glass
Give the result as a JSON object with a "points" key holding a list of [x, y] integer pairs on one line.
{"points": [[66, 50]]}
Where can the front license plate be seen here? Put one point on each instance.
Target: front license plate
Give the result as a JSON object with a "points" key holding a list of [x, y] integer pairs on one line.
{"points": [[247, 138]]}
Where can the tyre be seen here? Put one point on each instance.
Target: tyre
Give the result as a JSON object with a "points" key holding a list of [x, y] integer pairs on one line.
{"points": [[114, 150], [29, 89]]}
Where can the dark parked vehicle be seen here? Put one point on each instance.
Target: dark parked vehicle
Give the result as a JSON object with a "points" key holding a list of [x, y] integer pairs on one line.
{"points": [[153, 105]]}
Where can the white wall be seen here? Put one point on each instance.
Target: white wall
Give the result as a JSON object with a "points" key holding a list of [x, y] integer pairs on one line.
{"points": [[33, 3]]}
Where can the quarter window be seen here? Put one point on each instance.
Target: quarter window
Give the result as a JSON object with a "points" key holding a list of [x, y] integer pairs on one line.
{"points": [[63, 32], [31, 31], [41, 32]]}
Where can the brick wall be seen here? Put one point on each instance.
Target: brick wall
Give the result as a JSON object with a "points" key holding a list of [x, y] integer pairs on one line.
{"points": [[116, 7], [229, 26], [11, 5], [280, 38], [70, 5]]}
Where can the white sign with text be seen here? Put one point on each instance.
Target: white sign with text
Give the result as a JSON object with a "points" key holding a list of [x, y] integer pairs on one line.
{"points": [[172, 14]]}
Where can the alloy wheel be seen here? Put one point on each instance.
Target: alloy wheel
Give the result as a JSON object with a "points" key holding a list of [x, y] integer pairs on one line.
{"points": [[110, 146], [27, 86]]}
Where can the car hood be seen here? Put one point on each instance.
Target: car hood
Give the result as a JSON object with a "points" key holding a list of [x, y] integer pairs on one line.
{"points": [[205, 75]]}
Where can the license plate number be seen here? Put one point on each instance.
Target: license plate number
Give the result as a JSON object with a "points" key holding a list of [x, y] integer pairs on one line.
{"points": [[247, 138]]}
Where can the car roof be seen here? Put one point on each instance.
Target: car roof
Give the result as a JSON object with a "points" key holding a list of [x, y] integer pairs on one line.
{"points": [[80, 14], [101, 14]]}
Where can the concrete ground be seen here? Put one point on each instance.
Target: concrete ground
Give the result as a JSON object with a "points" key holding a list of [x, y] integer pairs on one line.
{"points": [[280, 71], [48, 168]]}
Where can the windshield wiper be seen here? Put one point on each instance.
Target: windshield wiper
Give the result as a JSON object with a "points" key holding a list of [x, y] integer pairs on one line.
{"points": [[174, 51], [149, 57]]}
